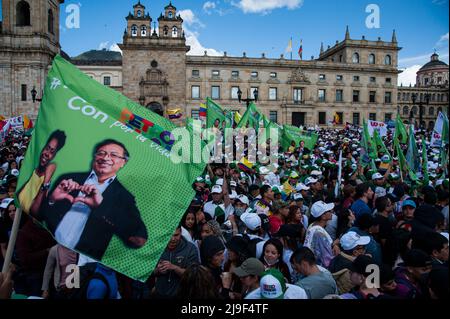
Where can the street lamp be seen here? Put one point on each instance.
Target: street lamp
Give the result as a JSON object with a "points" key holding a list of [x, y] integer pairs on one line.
{"points": [[34, 94], [248, 100]]}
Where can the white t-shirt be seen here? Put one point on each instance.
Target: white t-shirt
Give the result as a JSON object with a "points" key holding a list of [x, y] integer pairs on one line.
{"points": [[210, 208]]}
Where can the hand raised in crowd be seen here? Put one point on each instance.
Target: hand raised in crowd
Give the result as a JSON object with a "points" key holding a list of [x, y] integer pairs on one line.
{"points": [[93, 196], [63, 190], [6, 283]]}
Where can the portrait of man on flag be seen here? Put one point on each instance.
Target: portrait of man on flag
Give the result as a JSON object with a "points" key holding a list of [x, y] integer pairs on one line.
{"points": [[84, 210]]}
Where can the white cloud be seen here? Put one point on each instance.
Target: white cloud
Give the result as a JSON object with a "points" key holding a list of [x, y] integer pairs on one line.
{"points": [[196, 47], [443, 41], [208, 6], [189, 18], [265, 6], [103, 45], [440, 2], [420, 59], [115, 48], [408, 76]]}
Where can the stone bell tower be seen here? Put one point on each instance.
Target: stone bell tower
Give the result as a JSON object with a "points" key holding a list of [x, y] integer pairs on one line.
{"points": [[29, 40], [154, 63]]}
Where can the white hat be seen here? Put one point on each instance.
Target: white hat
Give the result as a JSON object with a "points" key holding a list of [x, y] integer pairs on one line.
{"points": [[316, 173], [301, 187], [251, 220], [216, 189], [310, 180], [298, 196], [320, 207], [377, 176], [219, 182], [233, 184], [380, 191], [15, 172], [5, 203], [351, 239], [439, 182], [233, 195], [264, 170], [243, 199]]}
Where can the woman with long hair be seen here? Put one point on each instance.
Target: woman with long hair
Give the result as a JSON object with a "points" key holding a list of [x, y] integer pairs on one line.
{"points": [[197, 283], [272, 257]]}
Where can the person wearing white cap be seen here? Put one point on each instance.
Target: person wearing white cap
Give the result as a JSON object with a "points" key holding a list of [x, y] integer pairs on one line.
{"points": [[219, 208], [317, 239]]}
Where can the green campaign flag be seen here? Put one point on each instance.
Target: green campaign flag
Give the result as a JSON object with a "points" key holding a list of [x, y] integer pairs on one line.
{"points": [[412, 155], [99, 173], [252, 118], [294, 134], [403, 162], [370, 146], [215, 115], [379, 144], [400, 130], [426, 177]]}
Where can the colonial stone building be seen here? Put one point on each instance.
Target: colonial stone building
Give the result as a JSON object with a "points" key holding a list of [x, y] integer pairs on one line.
{"points": [[349, 81], [29, 39], [423, 102]]}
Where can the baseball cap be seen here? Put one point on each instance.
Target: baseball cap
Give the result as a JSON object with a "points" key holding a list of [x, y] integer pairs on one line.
{"points": [[243, 199], [301, 187], [5, 203], [380, 191], [279, 204], [272, 284], [319, 208], [377, 176], [351, 239], [409, 202], [298, 196], [251, 219], [15, 172], [219, 182], [251, 266], [385, 159], [360, 264], [216, 189], [233, 184], [316, 173], [417, 258], [200, 180], [233, 195], [264, 170], [310, 180], [294, 175]]}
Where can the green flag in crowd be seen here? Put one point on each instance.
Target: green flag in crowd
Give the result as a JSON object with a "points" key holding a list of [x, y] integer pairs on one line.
{"points": [[426, 177], [379, 144], [400, 130], [292, 133], [412, 155], [215, 115], [252, 118], [116, 155], [370, 146]]}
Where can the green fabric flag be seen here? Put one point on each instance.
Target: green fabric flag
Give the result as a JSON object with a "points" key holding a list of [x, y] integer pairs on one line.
{"points": [[114, 192], [292, 133], [252, 118], [215, 115], [370, 146], [400, 130], [403, 162], [426, 177], [379, 144], [412, 155]]}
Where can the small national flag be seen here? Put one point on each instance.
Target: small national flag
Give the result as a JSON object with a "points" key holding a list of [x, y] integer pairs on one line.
{"points": [[203, 111], [300, 51], [174, 114], [289, 47]]}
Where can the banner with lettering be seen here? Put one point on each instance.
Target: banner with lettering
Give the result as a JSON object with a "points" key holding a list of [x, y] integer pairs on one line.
{"points": [[381, 127], [99, 174]]}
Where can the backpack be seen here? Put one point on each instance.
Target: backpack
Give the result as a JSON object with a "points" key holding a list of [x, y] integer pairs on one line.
{"points": [[88, 273]]}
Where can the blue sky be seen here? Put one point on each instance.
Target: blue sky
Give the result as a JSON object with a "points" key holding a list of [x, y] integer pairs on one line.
{"points": [[257, 26]]}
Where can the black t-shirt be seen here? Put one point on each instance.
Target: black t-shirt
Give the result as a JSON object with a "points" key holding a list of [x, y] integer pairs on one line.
{"points": [[5, 229], [386, 227]]}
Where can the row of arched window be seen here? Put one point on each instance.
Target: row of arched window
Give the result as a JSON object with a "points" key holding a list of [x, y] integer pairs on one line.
{"points": [[372, 59], [23, 16], [415, 110], [435, 97], [143, 31]]}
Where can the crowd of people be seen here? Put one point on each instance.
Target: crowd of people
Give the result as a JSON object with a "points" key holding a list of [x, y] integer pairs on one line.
{"points": [[289, 230]]}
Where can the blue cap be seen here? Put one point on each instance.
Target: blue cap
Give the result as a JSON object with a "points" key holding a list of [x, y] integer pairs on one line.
{"points": [[409, 202]]}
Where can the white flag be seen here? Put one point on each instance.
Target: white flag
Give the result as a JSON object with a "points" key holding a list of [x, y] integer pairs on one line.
{"points": [[381, 127], [436, 139]]}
